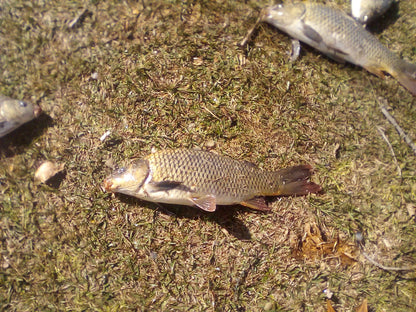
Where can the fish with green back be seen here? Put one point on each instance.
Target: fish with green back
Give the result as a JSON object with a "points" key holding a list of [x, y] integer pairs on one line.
{"points": [[339, 36], [204, 179], [14, 113]]}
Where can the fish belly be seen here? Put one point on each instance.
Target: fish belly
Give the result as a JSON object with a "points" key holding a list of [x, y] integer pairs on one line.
{"points": [[333, 45], [173, 196]]}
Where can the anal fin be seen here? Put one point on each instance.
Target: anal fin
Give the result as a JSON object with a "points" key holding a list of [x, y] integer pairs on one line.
{"points": [[207, 203], [257, 203]]}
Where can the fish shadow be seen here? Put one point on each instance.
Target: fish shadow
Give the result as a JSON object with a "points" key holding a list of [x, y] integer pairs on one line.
{"points": [[224, 216], [56, 180], [19, 139]]}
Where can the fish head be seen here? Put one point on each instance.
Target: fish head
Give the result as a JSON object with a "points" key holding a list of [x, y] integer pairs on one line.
{"points": [[19, 111], [281, 15], [128, 180], [364, 11]]}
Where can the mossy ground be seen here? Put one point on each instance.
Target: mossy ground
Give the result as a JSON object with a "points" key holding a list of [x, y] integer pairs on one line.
{"points": [[166, 74]]}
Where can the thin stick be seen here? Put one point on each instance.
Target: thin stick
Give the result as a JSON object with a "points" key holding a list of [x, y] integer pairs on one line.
{"points": [[401, 132], [386, 268], [251, 31], [79, 19], [399, 170], [359, 240]]}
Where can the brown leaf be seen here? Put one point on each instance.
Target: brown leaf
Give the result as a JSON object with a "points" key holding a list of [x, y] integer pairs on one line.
{"points": [[363, 307], [316, 245], [329, 306]]}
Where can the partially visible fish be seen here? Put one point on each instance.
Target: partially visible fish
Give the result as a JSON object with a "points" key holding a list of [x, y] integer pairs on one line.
{"points": [[14, 113], [339, 36], [204, 179], [365, 11]]}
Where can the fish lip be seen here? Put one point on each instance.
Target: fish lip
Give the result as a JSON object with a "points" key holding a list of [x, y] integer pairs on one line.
{"points": [[37, 111], [107, 185]]}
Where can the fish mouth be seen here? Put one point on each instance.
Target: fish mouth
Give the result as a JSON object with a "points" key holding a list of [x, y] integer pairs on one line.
{"points": [[37, 111], [107, 185]]}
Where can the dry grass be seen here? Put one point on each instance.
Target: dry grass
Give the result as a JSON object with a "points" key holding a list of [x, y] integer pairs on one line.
{"points": [[169, 74]]}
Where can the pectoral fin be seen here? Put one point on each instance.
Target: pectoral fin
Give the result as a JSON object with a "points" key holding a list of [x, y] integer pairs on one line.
{"points": [[294, 55], [207, 203], [163, 186], [311, 33], [7, 126], [257, 203]]}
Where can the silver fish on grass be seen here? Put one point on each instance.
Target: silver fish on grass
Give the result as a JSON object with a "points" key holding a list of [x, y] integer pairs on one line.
{"points": [[366, 11], [204, 179], [339, 36], [14, 113]]}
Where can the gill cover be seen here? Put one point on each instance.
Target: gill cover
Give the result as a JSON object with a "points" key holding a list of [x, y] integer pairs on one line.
{"points": [[128, 180], [284, 14]]}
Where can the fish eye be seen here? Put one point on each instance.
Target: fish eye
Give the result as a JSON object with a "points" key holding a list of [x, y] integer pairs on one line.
{"points": [[22, 104], [121, 170]]}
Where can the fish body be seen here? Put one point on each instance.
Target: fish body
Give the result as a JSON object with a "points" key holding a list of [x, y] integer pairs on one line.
{"points": [[14, 113], [365, 11], [204, 179], [339, 36]]}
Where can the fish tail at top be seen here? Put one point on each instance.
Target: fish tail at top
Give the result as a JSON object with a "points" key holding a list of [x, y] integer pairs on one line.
{"points": [[294, 181]]}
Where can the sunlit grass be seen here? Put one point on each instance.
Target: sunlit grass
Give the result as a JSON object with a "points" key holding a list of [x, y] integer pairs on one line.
{"points": [[168, 75]]}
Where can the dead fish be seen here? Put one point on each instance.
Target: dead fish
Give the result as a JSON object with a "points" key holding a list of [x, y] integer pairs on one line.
{"points": [[365, 11], [14, 113], [339, 36], [204, 179]]}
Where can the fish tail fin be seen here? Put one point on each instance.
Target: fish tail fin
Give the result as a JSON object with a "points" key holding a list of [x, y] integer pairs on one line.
{"points": [[406, 75], [294, 181]]}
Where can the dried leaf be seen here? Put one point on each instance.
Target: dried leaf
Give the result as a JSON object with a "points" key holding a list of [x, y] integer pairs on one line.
{"points": [[329, 306], [363, 307], [317, 246]]}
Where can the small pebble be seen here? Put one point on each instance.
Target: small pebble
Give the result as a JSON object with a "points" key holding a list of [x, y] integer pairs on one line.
{"points": [[210, 144], [269, 306], [94, 76], [411, 209], [47, 170]]}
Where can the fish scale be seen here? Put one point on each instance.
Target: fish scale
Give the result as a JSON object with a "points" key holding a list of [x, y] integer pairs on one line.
{"points": [[206, 172], [205, 179]]}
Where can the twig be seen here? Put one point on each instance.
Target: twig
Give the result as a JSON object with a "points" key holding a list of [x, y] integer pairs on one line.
{"points": [[401, 132], [359, 239], [399, 170], [386, 268], [251, 31], [79, 18]]}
